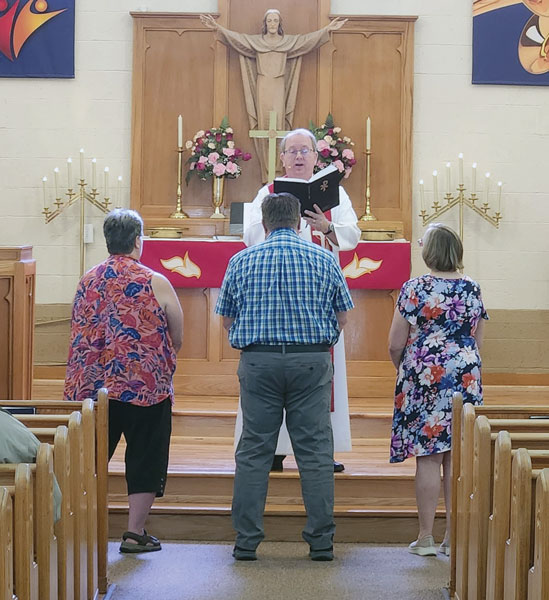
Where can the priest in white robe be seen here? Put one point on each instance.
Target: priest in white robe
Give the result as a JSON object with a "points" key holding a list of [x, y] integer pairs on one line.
{"points": [[336, 230]]}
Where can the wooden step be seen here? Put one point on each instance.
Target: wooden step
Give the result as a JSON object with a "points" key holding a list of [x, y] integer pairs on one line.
{"points": [[200, 423], [201, 473], [360, 524]]}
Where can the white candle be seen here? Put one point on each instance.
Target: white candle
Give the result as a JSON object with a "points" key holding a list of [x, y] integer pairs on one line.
{"points": [[180, 131], [474, 179], [422, 194], [106, 182], [69, 172], [448, 176], [119, 192], [460, 163], [368, 133], [81, 163], [56, 181], [44, 181], [500, 185], [435, 186], [486, 187], [94, 173]]}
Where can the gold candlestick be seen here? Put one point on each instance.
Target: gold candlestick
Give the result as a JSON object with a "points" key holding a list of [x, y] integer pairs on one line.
{"points": [[368, 216], [179, 213]]}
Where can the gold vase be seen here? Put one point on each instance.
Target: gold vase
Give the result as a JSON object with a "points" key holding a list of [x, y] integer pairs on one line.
{"points": [[217, 197]]}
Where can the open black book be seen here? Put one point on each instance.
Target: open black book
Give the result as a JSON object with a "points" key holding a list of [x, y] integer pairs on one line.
{"points": [[321, 189]]}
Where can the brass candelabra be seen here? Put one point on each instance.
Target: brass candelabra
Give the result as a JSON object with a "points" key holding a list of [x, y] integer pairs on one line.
{"points": [[460, 200], [481, 207], [73, 196]]}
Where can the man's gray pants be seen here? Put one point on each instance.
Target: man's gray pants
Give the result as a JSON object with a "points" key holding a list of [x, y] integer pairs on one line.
{"points": [[301, 384]]}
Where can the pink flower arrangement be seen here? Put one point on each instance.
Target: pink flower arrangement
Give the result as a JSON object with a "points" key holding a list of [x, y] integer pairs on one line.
{"points": [[213, 153], [332, 147]]}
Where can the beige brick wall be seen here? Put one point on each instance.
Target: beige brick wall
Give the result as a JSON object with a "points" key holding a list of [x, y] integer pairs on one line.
{"points": [[504, 129]]}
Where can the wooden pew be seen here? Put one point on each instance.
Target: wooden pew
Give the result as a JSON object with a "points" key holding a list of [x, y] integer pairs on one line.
{"points": [[463, 502], [90, 490], [85, 550], [64, 528], [71, 470], [45, 420], [517, 550], [498, 526], [489, 528], [25, 569], [538, 576], [45, 543], [6, 547]]}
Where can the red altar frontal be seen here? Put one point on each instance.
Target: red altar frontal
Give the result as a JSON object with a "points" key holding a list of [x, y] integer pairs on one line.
{"points": [[202, 263]]}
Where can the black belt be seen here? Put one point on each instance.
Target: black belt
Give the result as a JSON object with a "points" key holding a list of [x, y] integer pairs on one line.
{"points": [[287, 348]]}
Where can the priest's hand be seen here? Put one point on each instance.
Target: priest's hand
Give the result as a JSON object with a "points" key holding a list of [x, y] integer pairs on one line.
{"points": [[337, 23], [208, 21], [317, 220]]}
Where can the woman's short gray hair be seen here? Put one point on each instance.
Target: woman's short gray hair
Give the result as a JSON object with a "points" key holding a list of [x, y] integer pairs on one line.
{"points": [[121, 228], [442, 248], [302, 131]]}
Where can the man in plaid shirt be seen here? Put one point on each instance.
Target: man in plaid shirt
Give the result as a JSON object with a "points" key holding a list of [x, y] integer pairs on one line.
{"points": [[284, 303]]}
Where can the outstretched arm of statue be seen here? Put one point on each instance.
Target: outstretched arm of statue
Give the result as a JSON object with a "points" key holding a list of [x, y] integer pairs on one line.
{"points": [[209, 22], [238, 41], [336, 24]]}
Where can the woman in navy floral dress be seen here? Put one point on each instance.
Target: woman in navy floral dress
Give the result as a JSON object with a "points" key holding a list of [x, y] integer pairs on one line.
{"points": [[434, 341]]}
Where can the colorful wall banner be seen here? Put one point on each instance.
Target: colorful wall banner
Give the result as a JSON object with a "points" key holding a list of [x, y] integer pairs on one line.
{"points": [[511, 42], [202, 264], [37, 38]]}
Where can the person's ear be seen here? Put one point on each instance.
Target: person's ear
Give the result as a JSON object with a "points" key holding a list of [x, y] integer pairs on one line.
{"points": [[265, 229]]}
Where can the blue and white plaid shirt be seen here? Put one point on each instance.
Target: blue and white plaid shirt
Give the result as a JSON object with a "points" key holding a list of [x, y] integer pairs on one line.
{"points": [[284, 290]]}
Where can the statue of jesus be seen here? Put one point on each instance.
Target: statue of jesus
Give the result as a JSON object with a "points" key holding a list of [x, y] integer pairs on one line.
{"points": [[270, 64]]}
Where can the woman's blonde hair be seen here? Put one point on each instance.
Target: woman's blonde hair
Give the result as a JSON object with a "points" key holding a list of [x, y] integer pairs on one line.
{"points": [[442, 248]]}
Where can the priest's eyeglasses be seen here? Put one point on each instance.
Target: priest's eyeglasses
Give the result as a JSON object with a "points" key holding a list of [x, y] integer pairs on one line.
{"points": [[295, 151]]}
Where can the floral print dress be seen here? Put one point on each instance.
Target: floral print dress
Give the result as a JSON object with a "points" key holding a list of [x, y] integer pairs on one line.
{"points": [[440, 357]]}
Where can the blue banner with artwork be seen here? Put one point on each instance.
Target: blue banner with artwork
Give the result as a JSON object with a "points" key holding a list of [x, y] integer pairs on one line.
{"points": [[37, 38], [511, 42]]}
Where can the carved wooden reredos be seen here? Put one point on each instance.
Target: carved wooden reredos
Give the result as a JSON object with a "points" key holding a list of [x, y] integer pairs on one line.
{"points": [[179, 68]]}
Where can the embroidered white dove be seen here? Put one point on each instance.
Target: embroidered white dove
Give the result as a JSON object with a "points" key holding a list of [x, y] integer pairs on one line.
{"points": [[360, 266], [183, 266]]}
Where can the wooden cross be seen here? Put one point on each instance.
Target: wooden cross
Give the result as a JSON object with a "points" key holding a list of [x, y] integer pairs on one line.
{"points": [[271, 134]]}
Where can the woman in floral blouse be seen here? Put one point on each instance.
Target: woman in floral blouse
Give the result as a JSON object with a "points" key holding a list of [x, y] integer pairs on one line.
{"points": [[434, 344]]}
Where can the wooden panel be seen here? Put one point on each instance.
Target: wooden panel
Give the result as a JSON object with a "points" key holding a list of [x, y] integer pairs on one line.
{"points": [[16, 321], [6, 293], [196, 309], [174, 64], [367, 331]]}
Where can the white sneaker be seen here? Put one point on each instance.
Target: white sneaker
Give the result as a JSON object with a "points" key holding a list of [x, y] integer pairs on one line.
{"points": [[423, 547], [444, 548]]}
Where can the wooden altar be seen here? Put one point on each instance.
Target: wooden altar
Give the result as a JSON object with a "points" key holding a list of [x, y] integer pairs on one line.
{"points": [[207, 364], [17, 280]]}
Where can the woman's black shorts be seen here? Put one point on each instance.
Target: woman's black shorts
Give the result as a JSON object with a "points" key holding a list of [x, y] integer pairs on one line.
{"points": [[147, 431]]}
